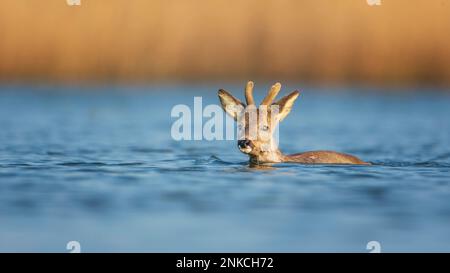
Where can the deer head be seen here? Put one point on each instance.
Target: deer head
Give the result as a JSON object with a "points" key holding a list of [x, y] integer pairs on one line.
{"points": [[256, 125]]}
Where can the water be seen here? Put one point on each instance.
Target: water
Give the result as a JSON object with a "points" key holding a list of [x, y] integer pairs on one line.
{"points": [[99, 166]]}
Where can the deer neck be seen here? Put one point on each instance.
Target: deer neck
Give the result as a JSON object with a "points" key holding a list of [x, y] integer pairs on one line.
{"points": [[270, 155]]}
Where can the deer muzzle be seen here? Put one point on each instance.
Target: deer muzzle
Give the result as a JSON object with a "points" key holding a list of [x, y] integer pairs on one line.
{"points": [[245, 145]]}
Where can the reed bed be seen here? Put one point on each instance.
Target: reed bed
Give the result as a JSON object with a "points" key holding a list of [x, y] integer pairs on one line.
{"points": [[401, 41]]}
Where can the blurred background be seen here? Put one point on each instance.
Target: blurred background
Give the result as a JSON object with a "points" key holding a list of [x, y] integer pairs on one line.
{"points": [[86, 151], [318, 41]]}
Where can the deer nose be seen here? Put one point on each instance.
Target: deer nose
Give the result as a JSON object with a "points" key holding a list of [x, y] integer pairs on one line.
{"points": [[244, 143]]}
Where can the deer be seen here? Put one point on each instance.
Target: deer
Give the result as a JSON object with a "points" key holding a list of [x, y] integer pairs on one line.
{"points": [[256, 138]]}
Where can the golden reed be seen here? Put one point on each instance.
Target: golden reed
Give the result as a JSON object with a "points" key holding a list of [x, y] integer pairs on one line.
{"points": [[401, 41]]}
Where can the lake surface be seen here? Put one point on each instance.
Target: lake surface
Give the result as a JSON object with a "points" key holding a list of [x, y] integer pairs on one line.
{"points": [[99, 166]]}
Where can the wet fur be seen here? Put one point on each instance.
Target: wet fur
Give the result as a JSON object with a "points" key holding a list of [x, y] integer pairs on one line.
{"points": [[273, 154], [324, 157]]}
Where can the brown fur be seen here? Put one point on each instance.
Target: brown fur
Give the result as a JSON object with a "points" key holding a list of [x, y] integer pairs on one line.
{"points": [[324, 157], [262, 148]]}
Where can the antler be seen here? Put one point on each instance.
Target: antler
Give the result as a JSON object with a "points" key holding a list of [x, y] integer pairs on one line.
{"points": [[249, 93], [273, 92]]}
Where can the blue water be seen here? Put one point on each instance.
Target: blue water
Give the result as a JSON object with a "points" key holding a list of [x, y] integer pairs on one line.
{"points": [[99, 166]]}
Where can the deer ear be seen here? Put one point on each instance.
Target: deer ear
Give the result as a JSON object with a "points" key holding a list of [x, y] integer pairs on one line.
{"points": [[231, 105], [285, 104]]}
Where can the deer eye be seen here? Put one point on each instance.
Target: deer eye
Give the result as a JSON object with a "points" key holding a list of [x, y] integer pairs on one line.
{"points": [[265, 128]]}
